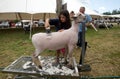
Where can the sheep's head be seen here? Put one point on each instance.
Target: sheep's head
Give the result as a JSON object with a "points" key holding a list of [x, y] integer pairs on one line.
{"points": [[78, 18]]}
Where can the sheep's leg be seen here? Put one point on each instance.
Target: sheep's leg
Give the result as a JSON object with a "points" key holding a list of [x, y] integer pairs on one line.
{"points": [[70, 55], [35, 59], [57, 58], [65, 55]]}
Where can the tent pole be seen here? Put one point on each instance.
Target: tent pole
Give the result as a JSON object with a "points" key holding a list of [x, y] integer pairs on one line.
{"points": [[19, 16], [93, 26], [81, 66], [31, 22], [105, 23]]}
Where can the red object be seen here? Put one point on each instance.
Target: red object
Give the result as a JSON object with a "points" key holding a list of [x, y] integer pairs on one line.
{"points": [[62, 50], [12, 24]]}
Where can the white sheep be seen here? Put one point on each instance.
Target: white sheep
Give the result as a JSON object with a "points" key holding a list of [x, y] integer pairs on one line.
{"points": [[66, 39]]}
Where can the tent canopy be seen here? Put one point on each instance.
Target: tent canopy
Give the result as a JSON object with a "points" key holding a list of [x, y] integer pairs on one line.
{"points": [[28, 6], [22, 9], [114, 16], [26, 16]]}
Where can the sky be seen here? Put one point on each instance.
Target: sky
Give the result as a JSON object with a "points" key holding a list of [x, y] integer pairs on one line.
{"points": [[102, 5]]}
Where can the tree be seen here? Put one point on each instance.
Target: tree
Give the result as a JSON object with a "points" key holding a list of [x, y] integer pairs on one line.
{"points": [[115, 11], [107, 13]]}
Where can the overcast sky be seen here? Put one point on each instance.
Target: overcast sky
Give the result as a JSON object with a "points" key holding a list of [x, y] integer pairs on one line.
{"points": [[102, 5]]}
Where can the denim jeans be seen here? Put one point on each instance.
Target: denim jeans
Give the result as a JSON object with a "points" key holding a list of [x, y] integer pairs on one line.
{"points": [[79, 43]]}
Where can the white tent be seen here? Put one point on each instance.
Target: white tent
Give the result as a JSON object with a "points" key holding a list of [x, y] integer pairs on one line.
{"points": [[27, 8], [114, 16], [9, 16], [25, 16], [74, 5]]}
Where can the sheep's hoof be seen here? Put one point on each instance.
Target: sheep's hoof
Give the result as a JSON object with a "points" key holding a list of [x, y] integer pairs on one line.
{"points": [[40, 67], [65, 62], [55, 63], [69, 66]]}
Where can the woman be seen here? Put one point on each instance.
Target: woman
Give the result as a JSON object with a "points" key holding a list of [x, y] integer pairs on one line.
{"points": [[61, 23]]}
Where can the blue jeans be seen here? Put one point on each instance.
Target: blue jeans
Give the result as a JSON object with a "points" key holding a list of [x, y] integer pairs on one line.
{"points": [[79, 43]]}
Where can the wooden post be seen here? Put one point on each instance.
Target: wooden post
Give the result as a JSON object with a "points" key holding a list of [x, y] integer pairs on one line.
{"points": [[58, 6], [19, 16], [64, 6], [44, 16]]}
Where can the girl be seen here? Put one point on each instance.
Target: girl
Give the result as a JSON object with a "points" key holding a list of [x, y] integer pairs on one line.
{"points": [[61, 23]]}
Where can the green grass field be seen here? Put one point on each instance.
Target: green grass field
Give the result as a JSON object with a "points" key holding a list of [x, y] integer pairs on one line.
{"points": [[103, 54]]}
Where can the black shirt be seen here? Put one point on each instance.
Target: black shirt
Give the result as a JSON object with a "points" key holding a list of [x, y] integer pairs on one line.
{"points": [[57, 24]]}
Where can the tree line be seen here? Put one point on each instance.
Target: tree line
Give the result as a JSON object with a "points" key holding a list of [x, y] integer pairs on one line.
{"points": [[115, 11]]}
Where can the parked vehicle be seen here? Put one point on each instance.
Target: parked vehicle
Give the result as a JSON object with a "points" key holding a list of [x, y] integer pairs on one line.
{"points": [[19, 25], [35, 23], [102, 24], [4, 24], [26, 25], [41, 22]]}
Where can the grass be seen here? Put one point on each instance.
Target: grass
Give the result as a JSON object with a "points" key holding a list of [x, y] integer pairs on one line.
{"points": [[103, 54]]}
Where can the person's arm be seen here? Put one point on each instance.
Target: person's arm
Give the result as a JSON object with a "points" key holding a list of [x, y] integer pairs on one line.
{"points": [[89, 20], [47, 25], [61, 30], [49, 22]]}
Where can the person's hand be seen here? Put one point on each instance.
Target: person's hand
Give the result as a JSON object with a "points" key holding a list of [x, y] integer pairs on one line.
{"points": [[87, 24], [48, 31], [47, 25], [79, 13], [61, 30]]}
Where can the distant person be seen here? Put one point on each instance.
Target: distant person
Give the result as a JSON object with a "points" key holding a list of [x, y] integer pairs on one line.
{"points": [[118, 22], [87, 21]]}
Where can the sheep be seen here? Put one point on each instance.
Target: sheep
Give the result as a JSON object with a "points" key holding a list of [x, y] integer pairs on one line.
{"points": [[66, 39]]}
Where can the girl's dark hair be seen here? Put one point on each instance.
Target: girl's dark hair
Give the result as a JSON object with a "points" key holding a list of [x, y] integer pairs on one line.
{"points": [[67, 24]]}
